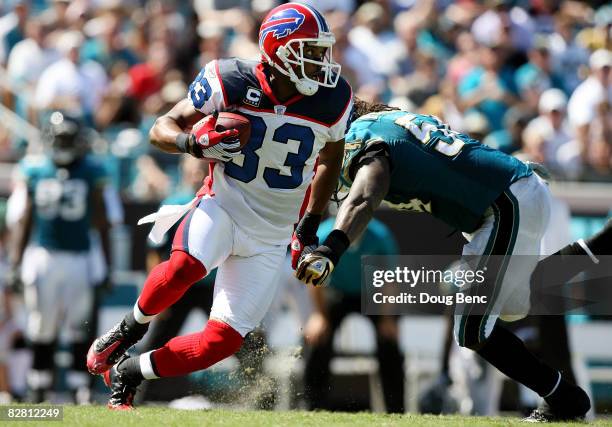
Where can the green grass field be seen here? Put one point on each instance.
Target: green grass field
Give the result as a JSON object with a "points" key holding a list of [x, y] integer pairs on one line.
{"points": [[158, 416]]}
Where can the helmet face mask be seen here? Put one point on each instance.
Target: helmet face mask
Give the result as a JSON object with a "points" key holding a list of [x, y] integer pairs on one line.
{"points": [[65, 139], [63, 150], [285, 35], [293, 54]]}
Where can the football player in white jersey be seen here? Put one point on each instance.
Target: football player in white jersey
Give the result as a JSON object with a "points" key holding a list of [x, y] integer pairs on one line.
{"points": [[243, 217]]}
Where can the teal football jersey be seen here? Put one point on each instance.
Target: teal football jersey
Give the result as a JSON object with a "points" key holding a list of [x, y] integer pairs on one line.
{"points": [[433, 168], [61, 201]]}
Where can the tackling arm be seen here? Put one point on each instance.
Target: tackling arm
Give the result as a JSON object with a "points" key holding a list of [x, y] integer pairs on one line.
{"points": [[369, 188]]}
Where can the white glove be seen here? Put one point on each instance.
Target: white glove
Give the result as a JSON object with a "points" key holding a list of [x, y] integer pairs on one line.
{"points": [[223, 151]]}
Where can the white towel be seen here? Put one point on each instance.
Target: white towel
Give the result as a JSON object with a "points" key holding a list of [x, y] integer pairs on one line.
{"points": [[164, 219]]}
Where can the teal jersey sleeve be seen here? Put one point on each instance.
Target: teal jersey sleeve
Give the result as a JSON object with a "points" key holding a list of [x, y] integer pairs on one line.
{"points": [[434, 169]]}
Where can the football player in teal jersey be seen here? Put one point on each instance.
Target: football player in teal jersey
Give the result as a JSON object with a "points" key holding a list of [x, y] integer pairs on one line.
{"points": [[63, 197], [416, 162]]}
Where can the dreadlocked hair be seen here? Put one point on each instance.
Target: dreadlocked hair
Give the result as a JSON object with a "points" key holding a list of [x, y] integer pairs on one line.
{"points": [[361, 108]]}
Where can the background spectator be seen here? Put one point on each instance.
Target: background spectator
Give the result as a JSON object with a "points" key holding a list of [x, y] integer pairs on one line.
{"points": [[585, 100], [551, 132], [527, 77], [117, 63]]}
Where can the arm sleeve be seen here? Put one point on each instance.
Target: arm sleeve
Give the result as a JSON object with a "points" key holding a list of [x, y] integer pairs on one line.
{"points": [[206, 91]]}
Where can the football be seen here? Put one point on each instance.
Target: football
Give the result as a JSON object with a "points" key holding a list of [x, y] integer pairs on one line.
{"points": [[227, 121]]}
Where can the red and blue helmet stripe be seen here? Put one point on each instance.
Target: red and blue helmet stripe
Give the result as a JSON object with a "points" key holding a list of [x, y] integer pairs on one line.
{"points": [[281, 24], [320, 19]]}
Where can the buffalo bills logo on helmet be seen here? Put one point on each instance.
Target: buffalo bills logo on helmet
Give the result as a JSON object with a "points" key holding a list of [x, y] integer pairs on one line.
{"points": [[281, 24]]}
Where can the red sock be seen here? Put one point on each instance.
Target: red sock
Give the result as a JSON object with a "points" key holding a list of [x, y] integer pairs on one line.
{"points": [[168, 281], [190, 353]]}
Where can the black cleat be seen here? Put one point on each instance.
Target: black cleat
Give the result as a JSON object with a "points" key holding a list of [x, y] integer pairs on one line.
{"points": [[108, 349], [123, 389], [545, 414]]}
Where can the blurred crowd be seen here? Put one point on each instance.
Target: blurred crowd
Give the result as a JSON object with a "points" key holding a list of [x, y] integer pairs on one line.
{"points": [[530, 77]]}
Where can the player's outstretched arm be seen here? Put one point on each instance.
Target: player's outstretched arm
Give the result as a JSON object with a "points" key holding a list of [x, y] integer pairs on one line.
{"points": [[173, 124], [369, 188]]}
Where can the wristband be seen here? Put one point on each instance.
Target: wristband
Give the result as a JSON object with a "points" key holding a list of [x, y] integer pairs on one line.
{"points": [[182, 142], [185, 144], [334, 246], [309, 224]]}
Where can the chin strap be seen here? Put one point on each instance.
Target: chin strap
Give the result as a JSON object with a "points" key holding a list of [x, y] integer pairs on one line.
{"points": [[303, 86]]}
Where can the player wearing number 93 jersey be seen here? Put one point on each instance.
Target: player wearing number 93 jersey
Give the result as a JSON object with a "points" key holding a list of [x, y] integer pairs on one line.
{"points": [[243, 217], [62, 193], [417, 162]]}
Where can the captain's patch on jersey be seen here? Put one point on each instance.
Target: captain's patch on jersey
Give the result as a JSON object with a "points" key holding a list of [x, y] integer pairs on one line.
{"points": [[252, 97]]}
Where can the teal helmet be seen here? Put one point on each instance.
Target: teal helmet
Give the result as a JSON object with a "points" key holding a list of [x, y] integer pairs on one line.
{"points": [[65, 138]]}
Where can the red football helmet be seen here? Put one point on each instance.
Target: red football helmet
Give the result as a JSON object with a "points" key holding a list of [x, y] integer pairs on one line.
{"points": [[284, 33]]}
